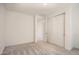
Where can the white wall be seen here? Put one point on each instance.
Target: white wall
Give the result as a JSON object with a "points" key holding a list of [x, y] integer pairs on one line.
{"points": [[75, 25], [68, 40], [2, 16], [19, 28]]}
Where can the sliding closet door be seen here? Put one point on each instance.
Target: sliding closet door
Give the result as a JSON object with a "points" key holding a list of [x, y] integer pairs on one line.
{"points": [[56, 30]]}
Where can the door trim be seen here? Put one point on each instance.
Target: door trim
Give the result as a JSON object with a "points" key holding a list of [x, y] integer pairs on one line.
{"points": [[63, 24]]}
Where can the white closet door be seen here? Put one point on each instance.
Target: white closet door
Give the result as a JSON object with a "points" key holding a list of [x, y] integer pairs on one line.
{"points": [[56, 30]]}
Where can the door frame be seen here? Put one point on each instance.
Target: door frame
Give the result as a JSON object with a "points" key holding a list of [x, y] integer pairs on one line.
{"points": [[63, 24], [35, 29]]}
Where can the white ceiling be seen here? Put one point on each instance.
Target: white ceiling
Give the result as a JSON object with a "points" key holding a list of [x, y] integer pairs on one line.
{"points": [[35, 8]]}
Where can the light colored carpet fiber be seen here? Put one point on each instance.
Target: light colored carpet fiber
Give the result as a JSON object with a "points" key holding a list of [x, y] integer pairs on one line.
{"points": [[41, 48]]}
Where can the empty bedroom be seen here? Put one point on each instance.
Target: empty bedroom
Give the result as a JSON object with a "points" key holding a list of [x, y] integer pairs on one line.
{"points": [[39, 28]]}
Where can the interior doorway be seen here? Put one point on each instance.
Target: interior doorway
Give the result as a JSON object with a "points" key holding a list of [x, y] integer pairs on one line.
{"points": [[39, 28]]}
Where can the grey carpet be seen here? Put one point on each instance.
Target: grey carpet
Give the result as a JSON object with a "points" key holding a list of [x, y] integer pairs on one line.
{"points": [[40, 48]]}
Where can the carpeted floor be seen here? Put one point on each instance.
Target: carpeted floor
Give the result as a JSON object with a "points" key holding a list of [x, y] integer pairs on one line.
{"points": [[41, 48]]}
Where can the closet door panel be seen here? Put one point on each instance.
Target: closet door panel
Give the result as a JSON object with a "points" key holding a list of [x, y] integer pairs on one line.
{"points": [[56, 30]]}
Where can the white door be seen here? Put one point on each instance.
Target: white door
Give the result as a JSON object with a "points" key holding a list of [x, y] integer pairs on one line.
{"points": [[39, 29], [56, 30]]}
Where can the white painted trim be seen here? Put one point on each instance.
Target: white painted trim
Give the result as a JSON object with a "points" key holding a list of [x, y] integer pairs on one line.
{"points": [[67, 11], [35, 26]]}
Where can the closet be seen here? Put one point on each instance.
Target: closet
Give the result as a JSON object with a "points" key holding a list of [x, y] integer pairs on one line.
{"points": [[56, 29]]}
